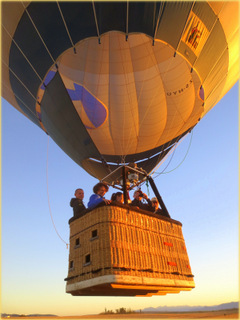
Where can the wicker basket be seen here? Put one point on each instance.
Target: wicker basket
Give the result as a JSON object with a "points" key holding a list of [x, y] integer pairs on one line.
{"points": [[123, 251]]}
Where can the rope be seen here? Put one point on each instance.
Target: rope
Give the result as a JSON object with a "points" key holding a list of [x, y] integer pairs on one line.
{"points": [[16, 96], [25, 57], [210, 31], [38, 33], [96, 22], [147, 185], [193, 4], [172, 158], [65, 24], [50, 211], [19, 80], [158, 19], [127, 19]]}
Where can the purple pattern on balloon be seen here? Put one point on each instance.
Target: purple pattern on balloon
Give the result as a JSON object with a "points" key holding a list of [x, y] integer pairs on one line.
{"points": [[48, 78], [94, 109], [201, 93]]}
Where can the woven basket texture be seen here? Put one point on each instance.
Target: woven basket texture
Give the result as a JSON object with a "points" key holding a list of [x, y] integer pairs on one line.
{"points": [[113, 240]]}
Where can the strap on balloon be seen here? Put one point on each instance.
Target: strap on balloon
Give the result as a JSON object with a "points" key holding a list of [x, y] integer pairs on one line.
{"points": [[148, 192]]}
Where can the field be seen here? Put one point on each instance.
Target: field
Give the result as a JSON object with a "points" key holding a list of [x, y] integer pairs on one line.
{"points": [[223, 314]]}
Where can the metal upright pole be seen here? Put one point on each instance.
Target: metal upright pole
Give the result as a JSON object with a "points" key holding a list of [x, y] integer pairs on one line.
{"points": [[157, 194], [124, 176]]}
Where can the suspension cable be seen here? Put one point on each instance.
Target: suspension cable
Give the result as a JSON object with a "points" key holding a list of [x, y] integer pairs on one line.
{"points": [[16, 96], [25, 57], [163, 172], [35, 27], [65, 24], [50, 211], [184, 156], [96, 22], [174, 149], [19, 80]]}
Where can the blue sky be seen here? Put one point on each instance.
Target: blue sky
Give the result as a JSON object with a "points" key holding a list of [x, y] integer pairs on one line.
{"points": [[202, 193]]}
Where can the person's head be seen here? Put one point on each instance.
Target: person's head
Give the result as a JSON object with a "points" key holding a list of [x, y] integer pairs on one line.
{"points": [[79, 194], [155, 203], [100, 189], [118, 197], [137, 195]]}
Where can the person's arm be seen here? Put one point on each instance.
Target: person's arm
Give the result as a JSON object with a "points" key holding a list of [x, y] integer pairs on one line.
{"points": [[148, 206]]}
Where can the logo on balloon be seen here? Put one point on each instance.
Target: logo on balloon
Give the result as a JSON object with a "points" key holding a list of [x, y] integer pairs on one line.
{"points": [[195, 34], [95, 110]]}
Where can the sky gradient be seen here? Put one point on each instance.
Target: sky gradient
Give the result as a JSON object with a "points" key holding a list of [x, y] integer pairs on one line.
{"points": [[202, 193]]}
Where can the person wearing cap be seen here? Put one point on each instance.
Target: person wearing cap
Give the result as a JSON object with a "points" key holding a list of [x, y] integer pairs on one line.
{"points": [[157, 210]]}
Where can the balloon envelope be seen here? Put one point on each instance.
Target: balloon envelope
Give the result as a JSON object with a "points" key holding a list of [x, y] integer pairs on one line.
{"points": [[118, 82]]}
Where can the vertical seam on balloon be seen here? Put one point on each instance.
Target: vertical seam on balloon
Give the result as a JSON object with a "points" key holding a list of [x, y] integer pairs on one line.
{"points": [[85, 67], [216, 87], [109, 95], [106, 109], [149, 105], [169, 64], [146, 110], [96, 95], [123, 131], [93, 95], [136, 132], [224, 50], [189, 116], [81, 105], [171, 61], [138, 99]]}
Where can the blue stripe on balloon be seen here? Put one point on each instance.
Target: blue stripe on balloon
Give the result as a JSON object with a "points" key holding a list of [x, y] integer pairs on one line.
{"points": [[48, 78], [94, 109]]}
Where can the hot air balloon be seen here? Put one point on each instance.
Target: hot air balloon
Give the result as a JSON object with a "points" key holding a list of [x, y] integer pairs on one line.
{"points": [[116, 85]]}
